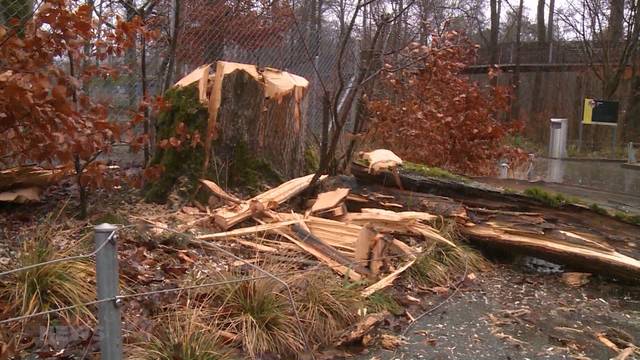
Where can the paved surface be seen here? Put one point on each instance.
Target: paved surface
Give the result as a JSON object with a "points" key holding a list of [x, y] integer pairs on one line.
{"points": [[602, 175], [607, 183], [508, 314]]}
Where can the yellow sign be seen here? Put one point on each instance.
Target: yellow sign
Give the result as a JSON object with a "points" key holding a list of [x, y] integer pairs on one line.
{"points": [[587, 110]]}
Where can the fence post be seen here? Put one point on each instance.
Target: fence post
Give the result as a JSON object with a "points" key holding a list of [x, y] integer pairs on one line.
{"points": [[107, 282]]}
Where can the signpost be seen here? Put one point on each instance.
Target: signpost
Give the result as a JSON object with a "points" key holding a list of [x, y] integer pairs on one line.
{"points": [[599, 112]]}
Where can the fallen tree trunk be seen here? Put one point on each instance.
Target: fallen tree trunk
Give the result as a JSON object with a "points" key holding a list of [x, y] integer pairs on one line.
{"points": [[28, 176], [571, 234], [585, 257]]}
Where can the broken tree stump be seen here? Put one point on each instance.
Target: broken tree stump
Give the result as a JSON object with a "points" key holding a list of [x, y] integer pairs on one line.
{"points": [[251, 129]]}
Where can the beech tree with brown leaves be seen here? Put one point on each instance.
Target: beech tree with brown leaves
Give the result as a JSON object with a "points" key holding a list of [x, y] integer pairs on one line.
{"points": [[46, 116], [432, 114]]}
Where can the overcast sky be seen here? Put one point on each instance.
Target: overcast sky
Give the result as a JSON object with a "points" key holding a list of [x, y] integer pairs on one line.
{"points": [[531, 7]]}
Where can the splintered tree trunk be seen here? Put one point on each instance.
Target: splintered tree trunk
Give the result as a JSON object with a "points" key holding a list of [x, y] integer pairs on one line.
{"points": [[270, 130], [256, 126], [240, 110]]}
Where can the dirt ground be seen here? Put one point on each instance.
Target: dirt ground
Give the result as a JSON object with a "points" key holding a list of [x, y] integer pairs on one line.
{"points": [[510, 314]]}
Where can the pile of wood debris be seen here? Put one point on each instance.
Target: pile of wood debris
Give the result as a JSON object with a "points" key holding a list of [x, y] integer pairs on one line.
{"points": [[359, 245], [355, 230]]}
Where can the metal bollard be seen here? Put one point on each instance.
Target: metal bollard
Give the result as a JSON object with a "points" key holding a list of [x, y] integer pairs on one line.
{"points": [[107, 282]]}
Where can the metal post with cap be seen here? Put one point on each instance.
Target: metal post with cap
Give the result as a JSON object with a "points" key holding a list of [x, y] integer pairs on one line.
{"points": [[107, 283]]}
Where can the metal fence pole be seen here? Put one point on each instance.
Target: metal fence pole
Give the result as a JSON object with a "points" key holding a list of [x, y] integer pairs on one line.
{"points": [[107, 282]]}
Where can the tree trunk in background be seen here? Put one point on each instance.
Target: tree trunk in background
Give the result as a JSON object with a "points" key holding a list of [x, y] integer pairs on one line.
{"points": [[169, 61], [542, 32], [130, 59], [550, 21], [616, 19], [632, 115], [515, 105], [493, 37], [536, 93]]}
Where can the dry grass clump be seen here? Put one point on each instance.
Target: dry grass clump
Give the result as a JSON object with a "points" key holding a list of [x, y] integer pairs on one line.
{"points": [[185, 334], [325, 306], [440, 264], [259, 312], [49, 286]]}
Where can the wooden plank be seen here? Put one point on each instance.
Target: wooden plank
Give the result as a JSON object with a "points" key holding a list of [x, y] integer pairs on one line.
{"points": [[381, 159], [248, 230], [387, 280], [308, 238], [329, 200], [404, 221], [364, 244], [332, 264], [335, 233], [194, 76], [203, 83], [370, 214], [378, 253], [22, 195]]}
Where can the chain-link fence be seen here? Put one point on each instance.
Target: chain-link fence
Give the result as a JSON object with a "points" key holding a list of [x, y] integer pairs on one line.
{"points": [[189, 33]]}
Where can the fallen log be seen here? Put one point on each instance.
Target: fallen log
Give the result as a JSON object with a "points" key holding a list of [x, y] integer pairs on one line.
{"points": [[583, 256], [571, 234], [29, 176]]}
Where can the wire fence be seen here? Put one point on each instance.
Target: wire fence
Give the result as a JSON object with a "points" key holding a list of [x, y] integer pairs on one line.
{"points": [[105, 252]]}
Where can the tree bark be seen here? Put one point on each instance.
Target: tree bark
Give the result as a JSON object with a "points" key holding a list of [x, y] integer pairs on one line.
{"points": [[495, 29], [169, 61], [542, 32], [515, 105], [550, 21], [616, 20]]}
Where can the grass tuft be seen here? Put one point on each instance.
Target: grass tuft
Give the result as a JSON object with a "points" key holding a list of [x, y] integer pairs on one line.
{"points": [[549, 199], [325, 306], [182, 334], [381, 301], [442, 264], [598, 209], [258, 311], [628, 218], [50, 286], [435, 172]]}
